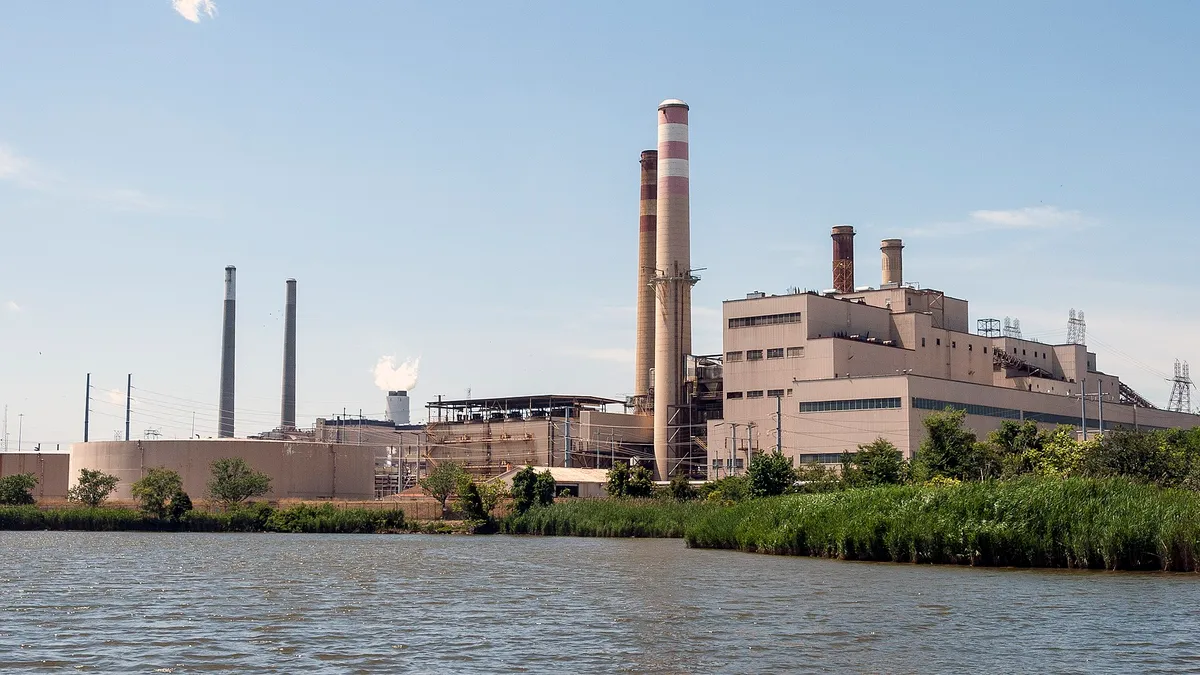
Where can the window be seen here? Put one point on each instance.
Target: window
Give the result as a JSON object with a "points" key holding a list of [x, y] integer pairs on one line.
{"points": [[970, 347], [774, 393], [819, 458], [765, 320], [922, 342], [985, 350], [939, 342], [1022, 352], [754, 394], [776, 353], [851, 404], [954, 344], [789, 393], [754, 355], [733, 357], [733, 394], [795, 352]]}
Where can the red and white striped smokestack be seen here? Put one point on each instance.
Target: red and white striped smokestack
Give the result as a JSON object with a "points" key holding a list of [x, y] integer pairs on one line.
{"points": [[673, 325], [843, 258], [643, 358]]}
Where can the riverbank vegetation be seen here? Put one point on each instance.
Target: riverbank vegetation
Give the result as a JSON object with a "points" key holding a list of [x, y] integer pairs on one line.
{"points": [[255, 517]]}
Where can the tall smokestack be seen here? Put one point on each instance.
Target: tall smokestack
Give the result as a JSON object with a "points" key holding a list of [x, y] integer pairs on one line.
{"points": [[643, 358], [225, 414], [893, 261], [673, 283], [843, 258], [287, 418]]}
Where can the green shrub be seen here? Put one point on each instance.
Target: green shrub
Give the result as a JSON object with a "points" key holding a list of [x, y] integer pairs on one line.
{"points": [[92, 488], [680, 488], [17, 489], [160, 493], [233, 481], [771, 474], [609, 518]]}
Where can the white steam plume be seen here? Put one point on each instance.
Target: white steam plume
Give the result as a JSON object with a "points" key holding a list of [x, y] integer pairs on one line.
{"points": [[392, 377], [192, 9]]}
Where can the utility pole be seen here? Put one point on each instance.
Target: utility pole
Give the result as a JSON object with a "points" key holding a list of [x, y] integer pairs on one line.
{"points": [[1083, 406], [87, 407], [1100, 404], [128, 402], [733, 454], [567, 439], [779, 424], [20, 429]]}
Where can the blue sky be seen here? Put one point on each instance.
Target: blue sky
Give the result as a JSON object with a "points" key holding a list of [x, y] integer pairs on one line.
{"points": [[458, 182]]}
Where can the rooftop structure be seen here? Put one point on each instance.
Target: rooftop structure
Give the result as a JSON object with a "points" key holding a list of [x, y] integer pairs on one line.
{"points": [[819, 374]]}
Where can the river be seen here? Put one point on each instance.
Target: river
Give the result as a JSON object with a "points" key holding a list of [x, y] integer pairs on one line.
{"points": [[124, 602]]}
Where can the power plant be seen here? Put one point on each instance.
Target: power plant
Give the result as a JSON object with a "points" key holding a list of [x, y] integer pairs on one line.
{"points": [[810, 374]]}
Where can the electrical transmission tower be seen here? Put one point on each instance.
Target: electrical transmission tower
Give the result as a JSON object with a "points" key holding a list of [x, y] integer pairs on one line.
{"points": [[1076, 329], [1012, 328], [1181, 392]]}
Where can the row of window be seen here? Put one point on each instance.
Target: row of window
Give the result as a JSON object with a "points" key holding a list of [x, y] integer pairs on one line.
{"points": [[971, 348], [850, 404], [757, 354], [724, 463], [764, 320], [1014, 414], [758, 393], [819, 457]]}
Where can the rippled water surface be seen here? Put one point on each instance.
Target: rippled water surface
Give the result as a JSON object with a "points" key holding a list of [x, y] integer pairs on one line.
{"points": [[123, 602]]}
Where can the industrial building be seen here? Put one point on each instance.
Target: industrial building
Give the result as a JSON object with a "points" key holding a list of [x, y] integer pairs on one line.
{"points": [[818, 374]]}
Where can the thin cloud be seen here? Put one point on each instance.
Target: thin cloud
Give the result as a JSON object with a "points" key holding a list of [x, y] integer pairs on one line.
{"points": [[1026, 218], [193, 9], [26, 174]]}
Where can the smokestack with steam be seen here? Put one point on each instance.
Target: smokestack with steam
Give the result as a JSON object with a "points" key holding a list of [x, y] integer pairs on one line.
{"points": [[843, 258], [225, 413], [287, 417], [643, 359], [673, 283]]}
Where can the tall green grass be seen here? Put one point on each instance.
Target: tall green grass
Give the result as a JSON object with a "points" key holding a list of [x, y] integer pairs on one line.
{"points": [[1080, 523], [324, 518], [610, 518]]}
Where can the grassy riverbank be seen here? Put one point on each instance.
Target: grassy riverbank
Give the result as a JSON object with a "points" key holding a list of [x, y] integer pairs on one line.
{"points": [[610, 518], [324, 518], [1077, 523]]}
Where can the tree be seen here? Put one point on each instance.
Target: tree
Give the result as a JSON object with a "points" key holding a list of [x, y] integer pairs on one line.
{"points": [[617, 481], [680, 488], [814, 478], [641, 482], [17, 489], [160, 493], [771, 474], [471, 504], [234, 481], [524, 490], [442, 481], [876, 463], [727, 489], [93, 488], [544, 488], [490, 494], [949, 448]]}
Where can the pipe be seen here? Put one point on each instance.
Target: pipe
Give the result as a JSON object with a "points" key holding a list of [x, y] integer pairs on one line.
{"points": [[225, 413], [287, 417], [673, 283], [643, 359], [843, 258], [892, 251]]}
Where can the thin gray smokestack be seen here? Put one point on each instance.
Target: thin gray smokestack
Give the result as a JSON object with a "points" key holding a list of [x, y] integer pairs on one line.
{"points": [[287, 419], [225, 415]]}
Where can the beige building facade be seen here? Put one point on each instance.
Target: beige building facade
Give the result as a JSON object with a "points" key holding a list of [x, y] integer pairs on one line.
{"points": [[298, 470], [844, 369], [50, 468]]}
